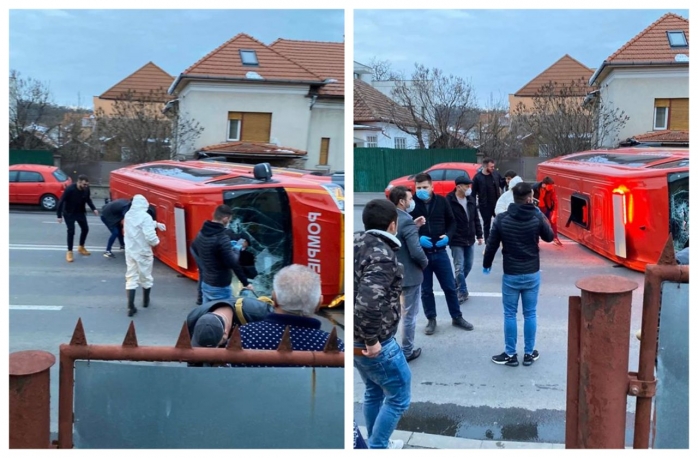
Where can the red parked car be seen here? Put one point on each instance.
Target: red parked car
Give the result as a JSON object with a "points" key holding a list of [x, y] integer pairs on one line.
{"points": [[37, 184], [443, 176]]}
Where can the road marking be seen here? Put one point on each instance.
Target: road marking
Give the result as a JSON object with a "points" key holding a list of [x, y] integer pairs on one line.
{"points": [[441, 293], [36, 307], [19, 246]]}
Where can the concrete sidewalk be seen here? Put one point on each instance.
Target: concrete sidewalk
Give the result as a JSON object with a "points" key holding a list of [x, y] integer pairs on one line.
{"points": [[434, 441], [362, 198]]}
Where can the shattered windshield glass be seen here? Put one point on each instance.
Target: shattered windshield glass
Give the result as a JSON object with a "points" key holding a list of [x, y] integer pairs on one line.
{"points": [[183, 173], [678, 209], [263, 218], [628, 160]]}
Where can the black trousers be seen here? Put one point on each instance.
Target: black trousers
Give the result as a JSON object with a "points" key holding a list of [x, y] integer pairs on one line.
{"points": [[487, 215], [70, 220]]}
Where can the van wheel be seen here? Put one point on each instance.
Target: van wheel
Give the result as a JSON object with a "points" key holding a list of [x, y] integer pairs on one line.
{"points": [[48, 202]]}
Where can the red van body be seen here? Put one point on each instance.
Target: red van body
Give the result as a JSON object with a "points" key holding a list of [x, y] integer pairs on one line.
{"points": [[622, 203], [290, 218]]}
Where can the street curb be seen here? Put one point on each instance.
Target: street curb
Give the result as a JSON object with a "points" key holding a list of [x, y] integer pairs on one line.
{"points": [[435, 441]]}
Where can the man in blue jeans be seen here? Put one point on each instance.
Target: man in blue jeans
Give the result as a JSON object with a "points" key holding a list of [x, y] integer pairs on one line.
{"points": [[377, 356], [518, 230], [112, 217], [467, 228], [434, 237]]}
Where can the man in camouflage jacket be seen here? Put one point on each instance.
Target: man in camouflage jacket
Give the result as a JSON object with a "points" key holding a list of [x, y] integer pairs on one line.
{"points": [[377, 355]]}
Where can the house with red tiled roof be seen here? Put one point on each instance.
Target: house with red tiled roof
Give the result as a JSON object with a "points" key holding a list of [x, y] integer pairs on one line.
{"points": [[267, 103], [647, 78], [148, 83], [566, 72], [378, 118]]}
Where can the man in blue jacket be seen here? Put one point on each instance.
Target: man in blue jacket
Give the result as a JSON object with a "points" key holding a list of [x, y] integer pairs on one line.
{"points": [[435, 235], [518, 230]]}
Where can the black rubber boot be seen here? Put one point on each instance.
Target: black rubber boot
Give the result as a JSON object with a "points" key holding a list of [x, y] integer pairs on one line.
{"points": [[131, 296], [146, 297]]}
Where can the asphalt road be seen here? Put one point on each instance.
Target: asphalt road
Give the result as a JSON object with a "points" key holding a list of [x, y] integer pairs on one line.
{"points": [[48, 295], [458, 391]]}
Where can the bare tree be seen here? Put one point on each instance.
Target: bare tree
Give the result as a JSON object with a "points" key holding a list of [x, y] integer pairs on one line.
{"points": [[564, 123], [185, 131], [30, 102], [440, 107], [383, 70], [136, 124]]}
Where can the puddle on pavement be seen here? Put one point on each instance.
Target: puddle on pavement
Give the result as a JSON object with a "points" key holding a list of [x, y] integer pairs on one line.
{"points": [[488, 423]]}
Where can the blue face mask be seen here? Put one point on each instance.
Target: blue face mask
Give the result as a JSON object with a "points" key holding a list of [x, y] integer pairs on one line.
{"points": [[423, 194]]}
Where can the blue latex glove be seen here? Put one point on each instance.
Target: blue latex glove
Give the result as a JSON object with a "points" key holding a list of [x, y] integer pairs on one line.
{"points": [[486, 270], [425, 242], [442, 242]]}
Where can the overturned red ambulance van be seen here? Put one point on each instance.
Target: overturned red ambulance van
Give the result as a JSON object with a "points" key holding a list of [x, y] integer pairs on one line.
{"points": [[289, 217], [622, 203]]}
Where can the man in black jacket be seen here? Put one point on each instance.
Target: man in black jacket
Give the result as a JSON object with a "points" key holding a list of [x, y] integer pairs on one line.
{"points": [[487, 187], [468, 227], [72, 208], [434, 237], [113, 216], [518, 230], [215, 255]]}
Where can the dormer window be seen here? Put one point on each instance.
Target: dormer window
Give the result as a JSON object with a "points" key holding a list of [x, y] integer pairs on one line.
{"points": [[248, 57], [677, 39]]}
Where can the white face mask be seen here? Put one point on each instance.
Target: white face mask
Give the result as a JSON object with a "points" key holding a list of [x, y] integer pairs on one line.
{"points": [[410, 207], [468, 192]]}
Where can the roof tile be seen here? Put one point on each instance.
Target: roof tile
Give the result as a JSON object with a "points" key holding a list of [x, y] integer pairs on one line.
{"points": [[371, 105], [562, 72], [652, 44], [663, 136], [147, 80], [325, 59], [253, 148]]}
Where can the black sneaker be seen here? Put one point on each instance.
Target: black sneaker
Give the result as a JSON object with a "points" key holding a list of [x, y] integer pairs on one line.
{"points": [[462, 297], [528, 359], [431, 327], [505, 359], [414, 355], [109, 254], [122, 248], [461, 323]]}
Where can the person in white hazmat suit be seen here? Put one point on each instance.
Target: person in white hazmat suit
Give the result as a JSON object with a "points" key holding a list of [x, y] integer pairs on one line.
{"points": [[140, 237], [507, 198]]}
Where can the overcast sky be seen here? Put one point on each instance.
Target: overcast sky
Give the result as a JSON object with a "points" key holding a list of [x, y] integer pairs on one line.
{"points": [[88, 51], [499, 51]]}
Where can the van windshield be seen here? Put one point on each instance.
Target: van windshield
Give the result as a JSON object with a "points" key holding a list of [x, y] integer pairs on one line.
{"points": [[263, 217], [181, 172], [678, 209], [627, 160]]}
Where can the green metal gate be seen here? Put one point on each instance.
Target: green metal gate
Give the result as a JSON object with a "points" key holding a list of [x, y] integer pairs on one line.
{"points": [[374, 168], [41, 157]]}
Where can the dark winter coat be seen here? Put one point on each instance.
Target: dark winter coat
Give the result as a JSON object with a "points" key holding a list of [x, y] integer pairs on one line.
{"points": [[480, 189], [213, 250], [73, 201], [439, 217], [519, 230], [468, 226], [113, 213]]}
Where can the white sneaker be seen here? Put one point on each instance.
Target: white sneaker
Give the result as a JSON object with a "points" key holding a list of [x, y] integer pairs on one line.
{"points": [[397, 443]]}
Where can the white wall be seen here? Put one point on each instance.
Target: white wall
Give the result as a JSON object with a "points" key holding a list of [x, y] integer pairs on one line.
{"points": [[634, 91], [327, 120], [209, 104], [386, 138]]}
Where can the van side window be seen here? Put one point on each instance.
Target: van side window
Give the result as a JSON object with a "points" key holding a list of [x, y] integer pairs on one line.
{"points": [[580, 211]]}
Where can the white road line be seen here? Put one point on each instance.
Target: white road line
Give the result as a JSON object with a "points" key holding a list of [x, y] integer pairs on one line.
{"points": [[36, 307], [441, 293], [18, 246]]}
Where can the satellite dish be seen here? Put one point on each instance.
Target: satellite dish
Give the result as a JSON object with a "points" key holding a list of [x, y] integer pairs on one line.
{"points": [[253, 76], [681, 58]]}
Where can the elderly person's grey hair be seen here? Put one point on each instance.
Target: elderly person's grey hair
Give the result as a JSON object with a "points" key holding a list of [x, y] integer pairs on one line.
{"points": [[297, 289]]}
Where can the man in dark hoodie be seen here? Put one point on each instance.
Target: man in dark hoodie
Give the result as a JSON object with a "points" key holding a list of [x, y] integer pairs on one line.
{"points": [[468, 227], [377, 355], [518, 230], [113, 216], [434, 237], [213, 252]]}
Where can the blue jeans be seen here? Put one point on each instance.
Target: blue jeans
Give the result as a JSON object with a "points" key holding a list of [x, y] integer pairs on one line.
{"points": [[439, 265], [463, 263], [115, 233], [527, 287], [215, 293], [388, 391], [410, 307]]}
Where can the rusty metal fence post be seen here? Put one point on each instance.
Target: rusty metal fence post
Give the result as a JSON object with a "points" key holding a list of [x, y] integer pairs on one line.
{"points": [[30, 394], [604, 329]]}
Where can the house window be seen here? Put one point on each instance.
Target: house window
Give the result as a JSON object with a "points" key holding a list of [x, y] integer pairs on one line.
{"points": [[125, 154], [249, 127], [677, 39], [248, 57], [371, 141], [543, 150], [670, 114], [400, 143], [579, 213], [324, 150]]}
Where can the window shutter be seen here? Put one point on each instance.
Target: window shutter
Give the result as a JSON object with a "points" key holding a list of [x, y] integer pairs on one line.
{"points": [[256, 127], [234, 115], [661, 103], [678, 114], [324, 150]]}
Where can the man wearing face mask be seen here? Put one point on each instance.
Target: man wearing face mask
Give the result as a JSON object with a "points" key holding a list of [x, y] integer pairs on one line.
{"points": [[414, 261], [468, 227], [487, 187], [434, 237]]}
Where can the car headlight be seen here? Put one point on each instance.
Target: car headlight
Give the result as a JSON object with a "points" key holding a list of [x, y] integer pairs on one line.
{"points": [[337, 194]]}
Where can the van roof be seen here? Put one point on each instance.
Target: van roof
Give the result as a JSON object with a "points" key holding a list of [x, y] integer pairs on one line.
{"points": [[623, 161]]}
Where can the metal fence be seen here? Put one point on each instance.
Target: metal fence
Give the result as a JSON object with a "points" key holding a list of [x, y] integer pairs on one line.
{"points": [[374, 168], [41, 157]]}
